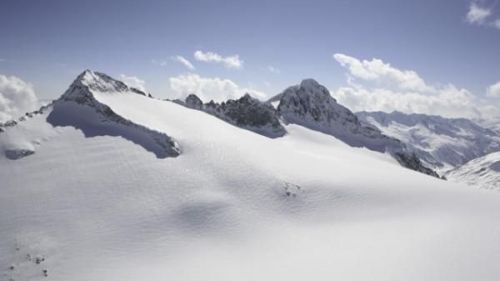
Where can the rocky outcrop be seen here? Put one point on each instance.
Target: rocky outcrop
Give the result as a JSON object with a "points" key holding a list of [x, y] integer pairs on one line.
{"points": [[28, 115], [411, 161], [194, 102], [14, 154], [246, 112]]}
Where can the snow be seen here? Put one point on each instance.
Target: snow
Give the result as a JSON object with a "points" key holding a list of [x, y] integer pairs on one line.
{"points": [[483, 172], [444, 143], [104, 208]]}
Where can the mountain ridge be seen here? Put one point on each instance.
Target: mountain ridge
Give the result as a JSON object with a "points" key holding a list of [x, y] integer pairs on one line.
{"points": [[446, 143]]}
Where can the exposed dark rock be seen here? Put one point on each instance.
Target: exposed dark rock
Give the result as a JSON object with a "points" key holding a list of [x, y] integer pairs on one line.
{"points": [[12, 123], [139, 92], [246, 112], [194, 102], [411, 161], [14, 154]]}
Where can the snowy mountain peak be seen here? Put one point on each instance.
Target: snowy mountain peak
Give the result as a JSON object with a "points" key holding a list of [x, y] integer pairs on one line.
{"points": [[311, 105], [90, 81], [100, 81], [86, 106]]}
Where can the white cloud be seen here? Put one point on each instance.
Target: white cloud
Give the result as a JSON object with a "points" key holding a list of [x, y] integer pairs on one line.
{"points": [[229, 61], [376, 86], [207, 89], [450, 102], [182, 60], [133, 81], [494, 90], [477, 14], [16, 97], [273, 69], [382, 74]]}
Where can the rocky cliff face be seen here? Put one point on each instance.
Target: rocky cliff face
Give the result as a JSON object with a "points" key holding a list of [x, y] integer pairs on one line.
{"points": [[246, 112]]}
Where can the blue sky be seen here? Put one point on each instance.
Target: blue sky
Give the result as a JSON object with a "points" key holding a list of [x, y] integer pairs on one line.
{"points": [[278, 43]]}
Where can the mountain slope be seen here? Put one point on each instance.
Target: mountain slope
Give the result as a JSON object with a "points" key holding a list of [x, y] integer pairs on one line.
{"points": [[234, 205], [483, 172], [80, 108], [449, 142], [311, 105]]}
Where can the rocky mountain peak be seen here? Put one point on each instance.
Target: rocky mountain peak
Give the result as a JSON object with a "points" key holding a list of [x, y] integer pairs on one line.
{"points": [[312, 86], [193, 101], [89, 82], [310, 104]]}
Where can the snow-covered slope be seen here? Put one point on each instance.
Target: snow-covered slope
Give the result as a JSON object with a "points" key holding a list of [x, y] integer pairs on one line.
{"points": [[233, 205], [79, 107], [482, 172], [450, 142], [310, 104]]}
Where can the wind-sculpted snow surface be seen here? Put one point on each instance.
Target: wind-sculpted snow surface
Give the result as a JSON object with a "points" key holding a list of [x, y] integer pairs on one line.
{"points": [[235, 206], [441, 142]]}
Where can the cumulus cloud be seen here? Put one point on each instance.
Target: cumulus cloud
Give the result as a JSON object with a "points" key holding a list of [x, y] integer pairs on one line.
{"points": [[374, 85], [133, 81], [16, 97], [182, 60], [494, 90], [477, 14], [450, 102], [381, 73], [207, 89], [481, 15], [229, 61]]}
